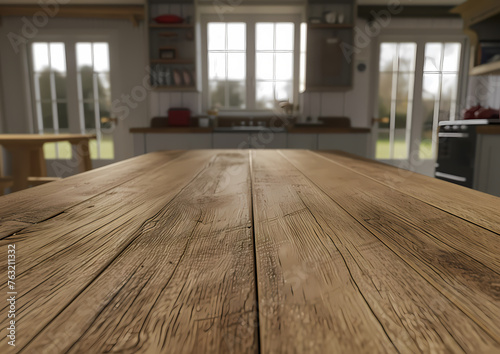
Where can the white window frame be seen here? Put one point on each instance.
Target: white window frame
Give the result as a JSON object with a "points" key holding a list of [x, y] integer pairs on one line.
{"points": [[250, 21]]}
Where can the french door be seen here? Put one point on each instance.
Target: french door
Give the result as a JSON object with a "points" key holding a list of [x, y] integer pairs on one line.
{"points": [[420, 83], [73, 87]]}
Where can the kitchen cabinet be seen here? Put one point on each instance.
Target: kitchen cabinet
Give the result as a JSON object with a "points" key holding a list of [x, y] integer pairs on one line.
{"points": [[144, 143], [330, 45], [261, 140], [487, 166], [303, 141], [357, 144]]}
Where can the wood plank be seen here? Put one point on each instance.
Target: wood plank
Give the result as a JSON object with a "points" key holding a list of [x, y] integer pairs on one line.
{"points": [[30, 206], [62, 255], [318, 268], [458, 258], [478, 208], [307, 299], [184, 284]]}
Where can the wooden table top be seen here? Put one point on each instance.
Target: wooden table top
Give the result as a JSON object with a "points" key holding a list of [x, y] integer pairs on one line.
{"points": [[248, 251], [42, 138]]}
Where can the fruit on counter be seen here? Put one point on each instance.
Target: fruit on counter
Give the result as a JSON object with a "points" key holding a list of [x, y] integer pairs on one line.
{"points": [[469, 113], [486, 113]]}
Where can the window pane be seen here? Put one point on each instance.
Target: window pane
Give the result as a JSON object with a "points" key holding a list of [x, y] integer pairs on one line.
{"points": [[104, 87], [284, 91], [451, 59], [401, 114], [89, 113], [265, 95], [405, 82], [430, 86], [449, 87], [60, 81], [84, 55], [57, 57], [264, 36], [48, 123], [236, 94], [216, 66], [87, 84], [62, 113], [216, 36], [407, 54], [101, 57], [284, 36], [43, 81], [384, 99], [236, 36], [400, 146], [236, 68], [40, 56], [383, 146], [265, 66], [387, 54], [217, 93], [433, 55], [284, 66]]}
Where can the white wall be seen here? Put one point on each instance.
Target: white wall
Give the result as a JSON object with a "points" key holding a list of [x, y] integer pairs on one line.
{"points": [[484, 90]]}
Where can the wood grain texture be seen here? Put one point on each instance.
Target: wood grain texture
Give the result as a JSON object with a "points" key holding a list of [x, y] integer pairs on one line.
{"points": [[185, 281], [62, 255], [316, 255], [478, 208], [272, 251], [41, 203], [458, 258]]}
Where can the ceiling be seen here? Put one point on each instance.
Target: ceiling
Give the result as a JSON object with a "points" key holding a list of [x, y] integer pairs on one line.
{"points": [[135, 2]]}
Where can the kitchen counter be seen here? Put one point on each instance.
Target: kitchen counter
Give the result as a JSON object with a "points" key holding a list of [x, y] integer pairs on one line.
{"points": [[250, 251], [326, 130], [488, 129], [292, 130], [172, 130]]}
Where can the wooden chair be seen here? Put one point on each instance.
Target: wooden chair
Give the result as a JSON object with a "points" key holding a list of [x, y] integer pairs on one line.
{"points": [[5, 182]]}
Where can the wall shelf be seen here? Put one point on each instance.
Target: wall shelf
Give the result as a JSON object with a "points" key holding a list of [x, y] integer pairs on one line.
{"points": [[486, 69], [171, 25], [482, 24]]}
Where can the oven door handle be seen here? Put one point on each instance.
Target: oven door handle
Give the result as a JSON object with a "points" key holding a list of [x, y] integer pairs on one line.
{"points": [[450, 177], [453, 135]]}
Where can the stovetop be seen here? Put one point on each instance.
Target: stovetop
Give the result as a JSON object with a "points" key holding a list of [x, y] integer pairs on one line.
{"points": [[470, 122]]}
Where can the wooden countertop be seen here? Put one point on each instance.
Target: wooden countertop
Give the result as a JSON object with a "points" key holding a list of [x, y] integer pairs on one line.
{"points": [[326, 130], [293, 130], [171, 130], [250, 251], [488, 129]]}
